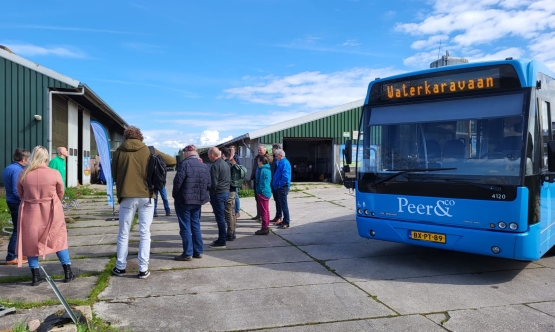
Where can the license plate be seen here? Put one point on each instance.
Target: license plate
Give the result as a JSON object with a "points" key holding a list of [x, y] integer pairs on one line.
{"points": [[429, 237]]}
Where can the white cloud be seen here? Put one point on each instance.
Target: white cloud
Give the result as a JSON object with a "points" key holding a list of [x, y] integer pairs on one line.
{"points": [[543, 49], [471, 25], [34, 50], [351, 43], [431, 42], [212, 137], [311, 90]]}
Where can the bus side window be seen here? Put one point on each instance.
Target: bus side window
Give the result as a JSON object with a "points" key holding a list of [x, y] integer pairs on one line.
{"points": [[545, 127]]}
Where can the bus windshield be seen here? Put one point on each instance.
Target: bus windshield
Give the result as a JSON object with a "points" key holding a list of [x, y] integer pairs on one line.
{"points": [[479, 140]]}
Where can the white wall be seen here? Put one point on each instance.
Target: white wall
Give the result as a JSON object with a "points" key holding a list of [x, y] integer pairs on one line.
{"points": [[72, 139]]}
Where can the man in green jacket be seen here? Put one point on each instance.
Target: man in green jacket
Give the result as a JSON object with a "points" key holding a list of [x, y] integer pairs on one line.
{"points": [[59, 163], [129, 169]]}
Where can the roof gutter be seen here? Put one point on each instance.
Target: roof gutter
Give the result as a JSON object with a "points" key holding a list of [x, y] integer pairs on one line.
{"points": [[50, 93]]}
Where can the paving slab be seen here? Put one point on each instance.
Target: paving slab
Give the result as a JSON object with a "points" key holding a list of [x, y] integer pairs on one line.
{"points": [[500, 319], [424, 264], [227, 279], [79, 288], [91, 240], [545, 307], [463, 291], [92, 223], [86, 231], [53, 266], [369, 248], [222, 258], [159, 242], [248, 309], [413, 323], [307, 238], [99, 250]]}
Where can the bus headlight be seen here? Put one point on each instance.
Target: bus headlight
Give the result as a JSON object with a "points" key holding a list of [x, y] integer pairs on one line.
{"points": [[513, 226], [359, 211], [366, 212], [495, 249], [502, 225]]}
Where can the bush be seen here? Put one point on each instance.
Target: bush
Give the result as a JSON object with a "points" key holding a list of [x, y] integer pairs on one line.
{"points": [[246, 193]]}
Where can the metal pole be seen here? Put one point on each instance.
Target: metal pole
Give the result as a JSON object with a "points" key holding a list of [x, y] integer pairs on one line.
{"points": [[60, 297]]}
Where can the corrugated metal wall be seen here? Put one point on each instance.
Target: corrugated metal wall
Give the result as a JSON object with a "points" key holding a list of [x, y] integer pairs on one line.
{"points": [[23, 93], [329, 127]]}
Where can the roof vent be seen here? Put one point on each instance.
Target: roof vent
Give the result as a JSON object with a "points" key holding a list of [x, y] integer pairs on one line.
{"points": [[5, 48], [447, 60], [510, 58]]}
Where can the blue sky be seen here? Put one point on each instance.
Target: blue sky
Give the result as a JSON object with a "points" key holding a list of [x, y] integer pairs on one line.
{"points": [[205, 71]]}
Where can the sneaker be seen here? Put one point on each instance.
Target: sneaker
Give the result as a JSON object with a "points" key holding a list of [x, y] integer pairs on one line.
{"points": [[218, 245], [118, 272], [156, 215], [168, 214], [144, 275], [183, 258], [198, 256], [231, 237], [282, 226], [255, 218]]}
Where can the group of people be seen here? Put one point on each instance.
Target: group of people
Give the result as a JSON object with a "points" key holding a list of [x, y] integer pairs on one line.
{"points": [[34, 193], [34, 190], [272, 177]]}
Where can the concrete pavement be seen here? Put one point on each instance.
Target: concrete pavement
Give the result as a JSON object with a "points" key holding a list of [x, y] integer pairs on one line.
{"points": [[319, 275]]}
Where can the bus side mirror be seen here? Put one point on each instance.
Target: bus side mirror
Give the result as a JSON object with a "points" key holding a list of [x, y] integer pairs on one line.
{"points": [[551, 156], [348, 152]]}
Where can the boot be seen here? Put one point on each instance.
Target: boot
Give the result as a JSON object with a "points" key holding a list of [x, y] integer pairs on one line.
{"points": [[262, 231], [68, 274], [37, 279]]}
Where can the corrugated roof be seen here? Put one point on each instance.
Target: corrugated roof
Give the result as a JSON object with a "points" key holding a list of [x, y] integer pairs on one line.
{"points": [[295, 122], [38, 68]]}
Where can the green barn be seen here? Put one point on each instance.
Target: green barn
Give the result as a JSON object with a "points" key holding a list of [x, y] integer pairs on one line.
{"points": [[39, 106]]}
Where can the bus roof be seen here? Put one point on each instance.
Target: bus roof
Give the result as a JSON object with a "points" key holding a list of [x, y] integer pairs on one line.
{"points": [[526, 69]]}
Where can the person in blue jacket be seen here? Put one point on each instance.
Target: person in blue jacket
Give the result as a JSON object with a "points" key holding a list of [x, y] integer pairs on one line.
{"points": [[9, 177], [281, 181]]}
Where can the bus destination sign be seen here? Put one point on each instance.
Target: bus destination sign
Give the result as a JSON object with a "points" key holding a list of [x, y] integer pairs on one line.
{"points": [[442, 85]]}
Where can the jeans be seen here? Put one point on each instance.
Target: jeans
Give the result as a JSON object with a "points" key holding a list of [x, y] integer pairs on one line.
{"points": [[127, 209], [279, 214], [229, 211], [237, 201], [188, 216], [63, 256], [164, 196], [282, 197], [218, 205], [264, 208], [14, 211]]}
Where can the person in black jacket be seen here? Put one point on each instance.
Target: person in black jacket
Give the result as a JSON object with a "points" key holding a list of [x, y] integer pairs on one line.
{"points": [[190, 192], [220, 175]]}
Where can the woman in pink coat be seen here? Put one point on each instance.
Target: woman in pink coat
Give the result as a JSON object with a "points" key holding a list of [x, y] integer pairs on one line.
{"points": [[42, 226]]}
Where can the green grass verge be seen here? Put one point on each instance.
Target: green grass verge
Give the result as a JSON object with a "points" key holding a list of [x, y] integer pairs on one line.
{"points": [[5, 215], [246, 193]]}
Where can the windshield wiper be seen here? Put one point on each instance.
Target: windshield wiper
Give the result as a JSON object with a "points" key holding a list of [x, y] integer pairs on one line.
{"points": [[410, 170], [479, 185]]}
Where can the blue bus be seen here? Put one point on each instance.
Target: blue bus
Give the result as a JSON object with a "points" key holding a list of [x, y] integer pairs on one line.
{"points": [[460, 158]]}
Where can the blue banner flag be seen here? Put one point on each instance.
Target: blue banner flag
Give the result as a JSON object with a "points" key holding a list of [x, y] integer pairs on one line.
{"points": [[103, 146]]}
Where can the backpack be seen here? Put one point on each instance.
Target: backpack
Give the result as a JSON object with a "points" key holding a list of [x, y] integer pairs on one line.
{"points": [[156, 172], [238, 173]]}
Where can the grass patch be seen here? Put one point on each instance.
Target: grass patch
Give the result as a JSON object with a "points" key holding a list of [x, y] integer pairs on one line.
{"points": [[5, 214], [246, 193], [81, 191]]}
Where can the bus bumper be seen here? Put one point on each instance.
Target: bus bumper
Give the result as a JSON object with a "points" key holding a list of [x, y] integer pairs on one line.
{"points": [[520, 246]]}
